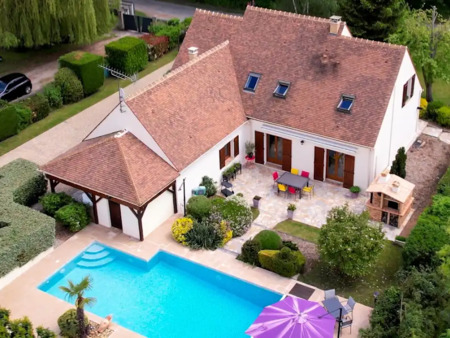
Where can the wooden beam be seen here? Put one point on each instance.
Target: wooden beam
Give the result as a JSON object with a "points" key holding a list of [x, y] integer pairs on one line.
{"points": [[174, 196], [53, 184]]}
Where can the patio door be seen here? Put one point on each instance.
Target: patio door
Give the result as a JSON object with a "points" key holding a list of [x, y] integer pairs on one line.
{"points": [[116, 217], [274, 149], [335, 165]]}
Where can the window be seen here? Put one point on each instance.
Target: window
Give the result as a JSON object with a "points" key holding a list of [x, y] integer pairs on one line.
{"points": [[408, 90], [252, 82], [282, 89], [392, 205], [346, 103], [228, 151]]}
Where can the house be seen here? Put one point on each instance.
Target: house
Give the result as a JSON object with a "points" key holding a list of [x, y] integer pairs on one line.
{"points": [[307, 94], [391, 199]]}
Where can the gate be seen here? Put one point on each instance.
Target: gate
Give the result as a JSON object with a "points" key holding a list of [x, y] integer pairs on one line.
{"points": [[136, 23]]}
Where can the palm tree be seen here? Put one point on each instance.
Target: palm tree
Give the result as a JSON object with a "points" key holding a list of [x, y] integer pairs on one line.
{"points": [[77, 291]]}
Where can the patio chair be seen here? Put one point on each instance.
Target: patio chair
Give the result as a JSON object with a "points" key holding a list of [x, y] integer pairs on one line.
{"points": [[294, 171], [292, 191], [330, 294], [308, 190], [282, 187], [275, 177], [350, 305], [346, 322], [305, 174]]}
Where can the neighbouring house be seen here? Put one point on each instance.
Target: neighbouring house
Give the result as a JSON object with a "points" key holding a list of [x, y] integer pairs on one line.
{"points": [[307, 93], [391, 199]]}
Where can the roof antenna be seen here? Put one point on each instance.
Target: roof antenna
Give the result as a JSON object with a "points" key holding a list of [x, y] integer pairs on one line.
{"points": [[121, 100]]}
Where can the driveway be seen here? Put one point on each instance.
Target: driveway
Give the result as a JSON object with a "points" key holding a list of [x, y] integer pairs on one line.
{"points": [[163, 10]]}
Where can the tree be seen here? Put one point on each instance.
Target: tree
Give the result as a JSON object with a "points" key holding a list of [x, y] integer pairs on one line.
{"points": [[320, 8], [442, 5], [35, 23], [372, 19], [427, 36], [77, 291], [399, 164], [349, 243]]}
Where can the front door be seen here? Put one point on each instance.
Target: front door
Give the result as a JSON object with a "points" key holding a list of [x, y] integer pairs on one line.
{"points": [[274, 149], [114, 212], [335, 165]]}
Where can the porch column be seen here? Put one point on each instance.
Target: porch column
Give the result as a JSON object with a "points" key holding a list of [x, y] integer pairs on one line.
{"points": [[139, 213], [174, 196], [94, 201], [53, 184]]}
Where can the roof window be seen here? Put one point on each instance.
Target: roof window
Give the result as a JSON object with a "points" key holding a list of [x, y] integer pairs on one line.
{"points": [[252, 82], [282, 89], [346, 103]]}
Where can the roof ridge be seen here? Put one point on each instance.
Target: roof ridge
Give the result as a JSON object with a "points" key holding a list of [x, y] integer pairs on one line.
{"points": [[178, 70], [222, 15], [117, 139], [288, 14], [373, 42]]}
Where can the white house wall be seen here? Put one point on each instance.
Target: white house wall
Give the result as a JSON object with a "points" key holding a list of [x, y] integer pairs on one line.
{"points": [[119, 120], [303, 154], [209, 164], [157, 212], [103, 214], [399, 127], [130, 225]]}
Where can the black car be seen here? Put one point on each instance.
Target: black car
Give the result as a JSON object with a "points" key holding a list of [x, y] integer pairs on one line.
{"points": [[13, 86]]}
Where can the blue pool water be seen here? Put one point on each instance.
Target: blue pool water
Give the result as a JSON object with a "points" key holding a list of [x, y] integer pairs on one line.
{"points": [[166, 296]]}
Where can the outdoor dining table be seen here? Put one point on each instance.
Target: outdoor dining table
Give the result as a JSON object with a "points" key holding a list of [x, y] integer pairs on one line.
{"points": [[333, 305], [296, 181]]}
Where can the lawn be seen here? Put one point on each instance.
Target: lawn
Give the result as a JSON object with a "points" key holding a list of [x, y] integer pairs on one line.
{"points": [[62, 114], [300, 230], [441, 89], [380, 277]]}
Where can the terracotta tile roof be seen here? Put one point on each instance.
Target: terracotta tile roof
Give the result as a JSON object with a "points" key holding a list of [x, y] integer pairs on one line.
{"points": [[192, 108], [120, 167], [384, 185], [320, 67]]}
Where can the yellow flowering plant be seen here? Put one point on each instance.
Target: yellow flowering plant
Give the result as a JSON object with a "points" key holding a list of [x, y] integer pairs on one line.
{"points": [[179, 229]]}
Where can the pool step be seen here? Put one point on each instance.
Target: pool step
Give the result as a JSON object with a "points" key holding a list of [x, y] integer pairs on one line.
{"points": [[95, 248], [95, 256], [95, 264]]}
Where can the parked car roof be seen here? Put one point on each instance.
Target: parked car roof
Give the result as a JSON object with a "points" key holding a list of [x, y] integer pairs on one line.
{"points": [[11, 76]]}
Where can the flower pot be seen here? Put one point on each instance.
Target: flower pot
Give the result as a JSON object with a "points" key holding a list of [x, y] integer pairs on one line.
{"points": [[250, 155], [256, 200], [290, 214], [354, 194]]}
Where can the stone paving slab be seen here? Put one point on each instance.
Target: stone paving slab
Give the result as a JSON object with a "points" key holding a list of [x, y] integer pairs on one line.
{"points": [[432, 131], [445, 137]]}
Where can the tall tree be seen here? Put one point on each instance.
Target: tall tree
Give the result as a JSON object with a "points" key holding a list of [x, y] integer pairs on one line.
{"points": [[77, 291], [103, 16], [399, 164], [320, 8], [428, 37], [372, 19], [442, 5]]}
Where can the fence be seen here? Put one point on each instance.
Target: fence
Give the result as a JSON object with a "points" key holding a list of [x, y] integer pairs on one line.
{"points": [[136, 23]]}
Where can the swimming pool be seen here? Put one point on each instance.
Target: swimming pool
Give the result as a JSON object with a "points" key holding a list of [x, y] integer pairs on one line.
{"points": [[166, 296]]}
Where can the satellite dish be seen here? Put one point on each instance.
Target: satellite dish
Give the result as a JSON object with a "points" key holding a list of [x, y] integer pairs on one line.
{"points": [[121, 95]]}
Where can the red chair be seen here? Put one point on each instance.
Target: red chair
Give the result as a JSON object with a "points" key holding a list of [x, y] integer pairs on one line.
{"points": [[305, 174], [292, 191], [275, 177]]}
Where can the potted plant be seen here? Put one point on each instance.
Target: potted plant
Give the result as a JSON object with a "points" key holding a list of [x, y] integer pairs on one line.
{"points": [[256, 200], [400, 240], [290, 210], [249, 149], [355, 191]]}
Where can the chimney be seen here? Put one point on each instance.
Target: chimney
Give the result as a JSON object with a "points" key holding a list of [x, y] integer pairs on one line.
{"points": [[193, 51], [335, 23]]}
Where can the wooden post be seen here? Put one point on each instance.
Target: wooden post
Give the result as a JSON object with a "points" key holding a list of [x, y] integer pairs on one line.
{"points": [[53, 184], [174, 196]]}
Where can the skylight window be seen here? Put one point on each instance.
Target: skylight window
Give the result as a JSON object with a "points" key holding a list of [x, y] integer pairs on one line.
{"points": [[252, 82], [346, 103], [282, 89]]}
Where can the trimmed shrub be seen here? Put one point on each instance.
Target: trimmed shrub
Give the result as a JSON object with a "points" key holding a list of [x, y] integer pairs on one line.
{"points": [[68, 324], [204, 235], [284, 262], [85, 66], [267, 258], [53, 94], [269, 240], [199, 207], [71, 87], [237, 213], [157, 46], [249, 252], [399, 164], [21, 328], [24, 115], [39, 106], [128, 54], [179, 229], [9, 122], [444, 184], [432, 110], [74, 216], [208, 183], [45, 333], [52, 202], [443, 116], [291, 245], [440, 207]]}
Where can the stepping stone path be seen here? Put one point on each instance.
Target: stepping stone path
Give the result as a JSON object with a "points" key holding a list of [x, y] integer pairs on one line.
{"points": [[439, 133]]}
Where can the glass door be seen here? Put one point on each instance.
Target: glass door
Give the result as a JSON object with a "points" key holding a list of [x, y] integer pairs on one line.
{"points": [[274, 149], [335, 165]]}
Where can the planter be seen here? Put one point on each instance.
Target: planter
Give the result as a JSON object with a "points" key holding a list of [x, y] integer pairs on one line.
{"points": [[399, 243], [256, 200], [354, 194], [290, 214]]}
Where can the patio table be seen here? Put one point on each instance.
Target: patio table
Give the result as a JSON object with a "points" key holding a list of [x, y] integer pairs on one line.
{"points": [[295, 181], [333, 305]]}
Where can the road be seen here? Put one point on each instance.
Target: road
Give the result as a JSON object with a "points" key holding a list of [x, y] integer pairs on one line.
{"points": [[163, 10]]}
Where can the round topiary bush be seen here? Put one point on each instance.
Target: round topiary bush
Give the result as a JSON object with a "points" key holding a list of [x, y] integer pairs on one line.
{"points": [[237, 213], [68, 324], [199, 207], [269, 240], [51, 203], [74, 216], [249, 252], [71, 87], [53, 94]]}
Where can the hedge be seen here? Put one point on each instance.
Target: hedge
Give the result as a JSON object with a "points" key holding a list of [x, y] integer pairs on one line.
{"points": [[86, 66], [71, 88], [444, 184], [8, 122], [128, 54], [157, 46], [284, 262], [443, 116], [25, 232]]}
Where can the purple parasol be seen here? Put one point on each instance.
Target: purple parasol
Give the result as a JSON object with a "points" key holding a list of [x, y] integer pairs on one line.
{"points": [[293, 317]]}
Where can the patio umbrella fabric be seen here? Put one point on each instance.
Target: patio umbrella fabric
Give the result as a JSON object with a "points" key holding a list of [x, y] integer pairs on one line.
{"points": [[293, 317]]}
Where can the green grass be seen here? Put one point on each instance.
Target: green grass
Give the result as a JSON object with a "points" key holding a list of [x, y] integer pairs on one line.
{"points": [[62, 114], [255, 213], [300, 230], [140, 13], [380, 277], [441, 89]]}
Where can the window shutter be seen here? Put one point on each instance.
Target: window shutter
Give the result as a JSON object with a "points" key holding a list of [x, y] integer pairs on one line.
{"points": [[413, 80], [222, 157], [405, 93], [236, 146]]}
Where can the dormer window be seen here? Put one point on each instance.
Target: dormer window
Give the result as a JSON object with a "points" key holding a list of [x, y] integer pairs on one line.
{"points": [[346, 103], [252, 82], [282, 89]]}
